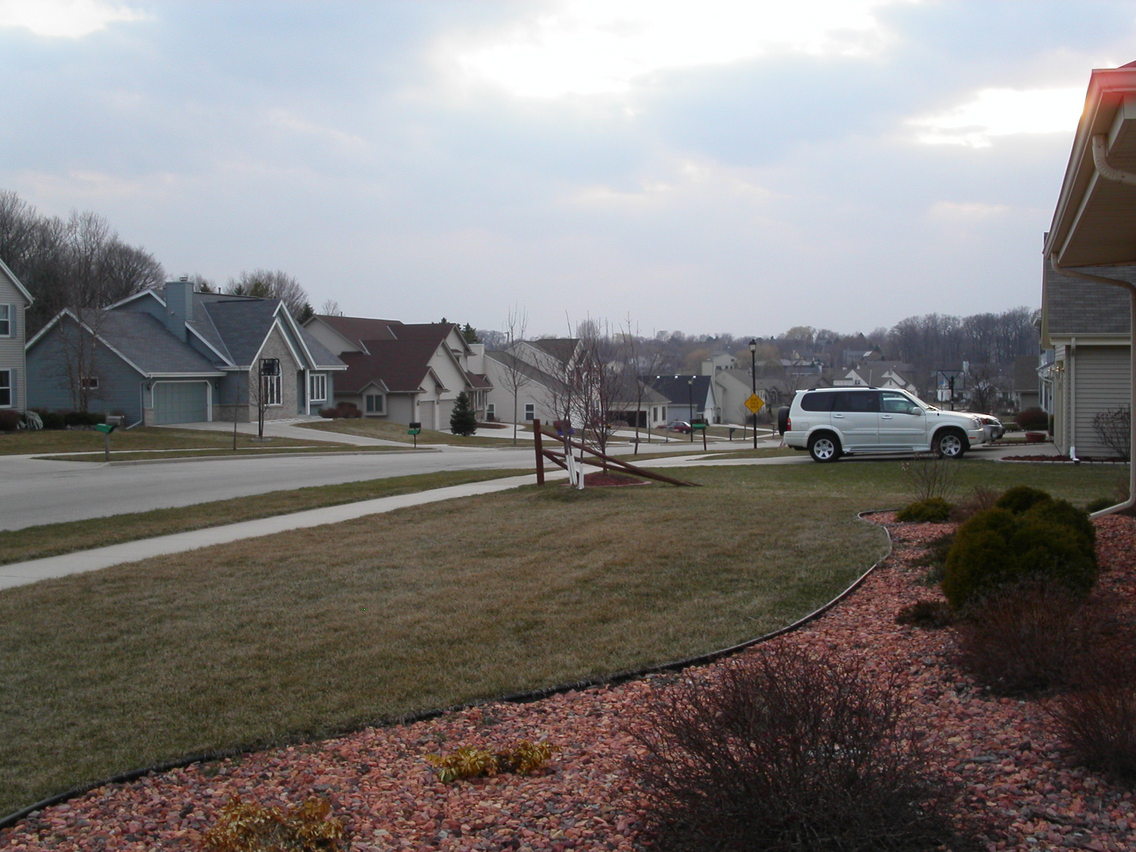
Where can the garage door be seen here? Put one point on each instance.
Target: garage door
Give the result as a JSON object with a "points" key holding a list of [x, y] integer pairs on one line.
{"points": [[181, 402]]}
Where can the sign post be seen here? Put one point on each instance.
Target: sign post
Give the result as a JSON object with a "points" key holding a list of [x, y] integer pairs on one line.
{"points": [[699, 424], [755, 403]]}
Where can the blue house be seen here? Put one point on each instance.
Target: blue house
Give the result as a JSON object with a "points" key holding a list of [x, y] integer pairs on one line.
{"points": [[179, 356]]}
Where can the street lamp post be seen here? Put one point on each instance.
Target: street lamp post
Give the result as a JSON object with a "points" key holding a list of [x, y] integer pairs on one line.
{"points": [[753, 382], [690, 404]]}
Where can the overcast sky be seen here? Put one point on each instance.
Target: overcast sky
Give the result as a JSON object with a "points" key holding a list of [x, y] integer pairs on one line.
{"points": [[703, 166]]}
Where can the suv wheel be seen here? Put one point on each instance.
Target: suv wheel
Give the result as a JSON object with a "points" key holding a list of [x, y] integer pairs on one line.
{"points": [[949, 444], [824, 447]]}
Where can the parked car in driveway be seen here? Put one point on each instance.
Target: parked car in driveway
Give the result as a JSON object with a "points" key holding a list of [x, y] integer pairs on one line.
{"points": [[831, 422], [679, 426]]}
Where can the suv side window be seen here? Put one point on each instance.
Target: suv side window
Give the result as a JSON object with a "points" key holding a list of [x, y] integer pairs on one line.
{"points": [[860, 401], [817, 402], [895, 403]]}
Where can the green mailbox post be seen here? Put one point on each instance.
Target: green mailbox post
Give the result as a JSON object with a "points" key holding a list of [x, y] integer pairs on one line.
{"points": [[414, 428], [106, 429]]}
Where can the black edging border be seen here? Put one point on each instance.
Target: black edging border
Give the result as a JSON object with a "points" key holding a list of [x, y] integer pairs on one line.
{"points": [[426, 715]]}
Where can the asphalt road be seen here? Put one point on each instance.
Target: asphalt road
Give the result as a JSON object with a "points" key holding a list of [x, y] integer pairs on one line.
{"points": [[42, 492]]}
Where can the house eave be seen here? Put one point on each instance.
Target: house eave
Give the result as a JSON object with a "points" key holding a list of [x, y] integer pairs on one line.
{"points": [[1092, 223]]}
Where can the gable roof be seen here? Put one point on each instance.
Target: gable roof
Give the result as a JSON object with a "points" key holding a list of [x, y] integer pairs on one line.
{"points": [[394, 354], [359, 329], [139, 339], [23, 291], [560, 348], [678, 389], [530, 371], [234, 328]]}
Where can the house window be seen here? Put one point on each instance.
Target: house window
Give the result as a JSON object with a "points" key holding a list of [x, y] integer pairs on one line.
{"points": [[491, 411], [89, 383], [374, 403], [272, 393], [318, 387], [530, 411], [5, 388], [6, 320]]}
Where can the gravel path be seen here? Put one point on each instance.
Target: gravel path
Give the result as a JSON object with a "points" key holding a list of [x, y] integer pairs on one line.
{"points": [[1003, 751]]}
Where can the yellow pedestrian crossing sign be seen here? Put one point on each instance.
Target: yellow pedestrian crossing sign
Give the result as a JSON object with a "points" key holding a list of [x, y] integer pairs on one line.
{"points": [[755, 403]]}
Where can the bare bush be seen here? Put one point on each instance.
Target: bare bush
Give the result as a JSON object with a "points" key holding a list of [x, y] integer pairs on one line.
{"points": [[1097, 721], [1025, 638], [789, 751], [931, 477], [1113, 427]]}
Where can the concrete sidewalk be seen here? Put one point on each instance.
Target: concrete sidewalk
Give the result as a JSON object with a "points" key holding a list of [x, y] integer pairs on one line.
{"points": [[23, 573]]}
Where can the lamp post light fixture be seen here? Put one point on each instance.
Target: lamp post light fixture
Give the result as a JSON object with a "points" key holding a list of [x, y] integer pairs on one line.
{"points": [[690, 404], [753, 382]]}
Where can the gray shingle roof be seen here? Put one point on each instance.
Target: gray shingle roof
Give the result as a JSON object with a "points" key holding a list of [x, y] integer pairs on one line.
{"points": [[146, 343], [1074, 306]]}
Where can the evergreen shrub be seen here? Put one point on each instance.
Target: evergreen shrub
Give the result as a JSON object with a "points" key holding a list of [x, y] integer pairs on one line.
{"points": [[932, 510], [999, 547]]}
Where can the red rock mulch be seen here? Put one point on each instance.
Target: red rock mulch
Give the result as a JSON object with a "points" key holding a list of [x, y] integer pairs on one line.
{"points": [[1003, 751]]}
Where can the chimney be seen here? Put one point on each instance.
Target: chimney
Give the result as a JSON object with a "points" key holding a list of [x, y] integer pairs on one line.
{"points": [[179, 306]]}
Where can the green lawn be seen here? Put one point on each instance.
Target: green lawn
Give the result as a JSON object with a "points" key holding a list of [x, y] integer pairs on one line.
{"points": [[315, 631]]}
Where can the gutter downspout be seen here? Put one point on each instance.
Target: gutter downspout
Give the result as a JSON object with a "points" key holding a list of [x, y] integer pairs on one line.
{"points": [[1131, 288], [1109, 172]]}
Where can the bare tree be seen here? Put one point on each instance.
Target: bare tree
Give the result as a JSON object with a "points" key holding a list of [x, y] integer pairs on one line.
{"points": [[273, 284], [330, 308], [516, 372]]}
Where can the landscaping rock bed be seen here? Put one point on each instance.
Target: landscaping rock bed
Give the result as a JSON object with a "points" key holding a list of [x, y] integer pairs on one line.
{"points": [[1017, 782]]}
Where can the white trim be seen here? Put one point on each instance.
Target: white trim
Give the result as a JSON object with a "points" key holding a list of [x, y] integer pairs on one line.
{"points": [[16, 281]]}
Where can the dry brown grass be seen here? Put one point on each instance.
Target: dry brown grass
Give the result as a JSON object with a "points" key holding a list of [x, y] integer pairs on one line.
{"points": [[318, 630]]}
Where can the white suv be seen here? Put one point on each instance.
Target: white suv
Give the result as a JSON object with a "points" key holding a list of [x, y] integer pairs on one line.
{"points": [[830, 422]]}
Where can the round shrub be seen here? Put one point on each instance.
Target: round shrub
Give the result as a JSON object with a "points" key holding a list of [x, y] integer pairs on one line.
{"points": [[790, 751], [1033, 419], [933, 510], [10, 420], [1065, 513], [996, 548], [1020, 498]]}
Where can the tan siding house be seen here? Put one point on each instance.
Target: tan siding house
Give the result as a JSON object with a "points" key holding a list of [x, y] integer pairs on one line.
{"points": [[14, 301], [1086, 325]]}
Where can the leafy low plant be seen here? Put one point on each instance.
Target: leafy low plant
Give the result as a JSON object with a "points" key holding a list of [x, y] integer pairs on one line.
{"points": [[788, 751], [1020, 498], [931, 510], [524, 758], [247, 827], [1047, 539], [10, 420]]}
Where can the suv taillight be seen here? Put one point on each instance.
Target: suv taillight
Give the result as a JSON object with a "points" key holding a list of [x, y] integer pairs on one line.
{"points": [[788, 424]]}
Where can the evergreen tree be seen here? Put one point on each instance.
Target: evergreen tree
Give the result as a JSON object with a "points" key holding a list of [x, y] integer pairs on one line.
{"points": [[463, 421], [470, 334]]}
